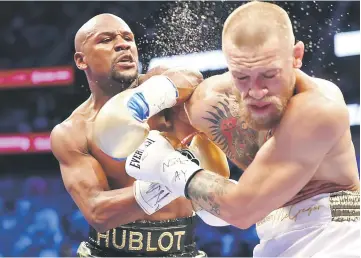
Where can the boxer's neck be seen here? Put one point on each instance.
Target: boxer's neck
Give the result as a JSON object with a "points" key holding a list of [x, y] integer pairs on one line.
{"points": [[182, 129], [102, 92]]}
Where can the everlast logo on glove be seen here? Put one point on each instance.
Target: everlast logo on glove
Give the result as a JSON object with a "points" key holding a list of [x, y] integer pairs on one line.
{"points": [[137, 156]]}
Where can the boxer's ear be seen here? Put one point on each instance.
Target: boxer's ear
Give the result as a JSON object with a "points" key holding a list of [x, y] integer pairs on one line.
{"points": [[80, 61], [298, 51]]}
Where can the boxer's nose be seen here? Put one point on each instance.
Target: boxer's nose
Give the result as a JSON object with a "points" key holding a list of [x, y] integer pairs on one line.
{"points": [[258, 92]]}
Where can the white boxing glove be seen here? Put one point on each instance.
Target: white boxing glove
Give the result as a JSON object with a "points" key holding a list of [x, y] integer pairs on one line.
{"points": [[120, 126], [210, 219], [157, 161], [151, 197]]}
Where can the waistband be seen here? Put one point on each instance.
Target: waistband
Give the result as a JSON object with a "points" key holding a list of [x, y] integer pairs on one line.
{"points": [[320, 209], [147, 237]]}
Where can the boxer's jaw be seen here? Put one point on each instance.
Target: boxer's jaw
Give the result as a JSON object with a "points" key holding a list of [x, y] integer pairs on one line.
{"points": [[124, 79]]}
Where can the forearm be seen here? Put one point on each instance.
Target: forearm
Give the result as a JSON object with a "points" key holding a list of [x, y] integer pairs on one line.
{"points": [[115, 207], [215, 194], [185, 81]]}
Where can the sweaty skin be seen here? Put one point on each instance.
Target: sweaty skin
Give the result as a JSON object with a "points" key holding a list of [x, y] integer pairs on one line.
{"points": [[262, 181], [297, 147], [97, 183]]}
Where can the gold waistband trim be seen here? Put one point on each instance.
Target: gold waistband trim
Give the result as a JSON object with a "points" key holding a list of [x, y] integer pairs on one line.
{"points": [[345, 206]]}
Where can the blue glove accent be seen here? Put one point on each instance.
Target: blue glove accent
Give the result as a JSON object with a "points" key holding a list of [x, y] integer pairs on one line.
{"points": [[120, 159], [175, 88], [138, 107]]}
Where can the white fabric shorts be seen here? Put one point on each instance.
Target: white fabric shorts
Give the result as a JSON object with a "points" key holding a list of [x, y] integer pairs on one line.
{"points": [[326, 225]]}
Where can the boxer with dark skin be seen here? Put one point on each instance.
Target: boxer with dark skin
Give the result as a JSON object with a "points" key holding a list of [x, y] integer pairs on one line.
{"points": [[88, 173], [106, 51]]}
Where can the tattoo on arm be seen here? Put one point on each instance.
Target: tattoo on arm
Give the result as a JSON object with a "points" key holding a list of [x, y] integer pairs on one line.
{"points": [[230, 133], [206, 190]]}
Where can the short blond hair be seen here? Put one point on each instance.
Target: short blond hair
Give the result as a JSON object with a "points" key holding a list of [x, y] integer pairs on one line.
{"points": [[256, 22]]}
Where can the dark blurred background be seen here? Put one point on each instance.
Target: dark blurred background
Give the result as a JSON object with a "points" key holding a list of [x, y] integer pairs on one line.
{"points": [[39, 88]]}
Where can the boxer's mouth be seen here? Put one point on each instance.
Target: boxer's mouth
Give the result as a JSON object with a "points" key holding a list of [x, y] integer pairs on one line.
{"points": [[125, 62], [125, 59], [259, 106]]}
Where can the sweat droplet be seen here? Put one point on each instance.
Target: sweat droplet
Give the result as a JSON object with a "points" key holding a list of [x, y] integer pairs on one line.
{"points": [[187, 27]]}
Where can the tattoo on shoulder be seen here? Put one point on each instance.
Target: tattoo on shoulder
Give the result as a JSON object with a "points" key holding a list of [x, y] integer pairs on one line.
{"points": [[230, 133]]}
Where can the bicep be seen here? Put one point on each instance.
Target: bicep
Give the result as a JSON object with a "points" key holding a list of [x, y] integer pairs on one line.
{"points": [[82, 174], [289, 159], [84, 179], [273, 179]]}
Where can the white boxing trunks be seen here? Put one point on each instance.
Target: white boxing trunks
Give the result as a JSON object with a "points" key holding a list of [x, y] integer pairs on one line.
{"points": [[326, 225]]}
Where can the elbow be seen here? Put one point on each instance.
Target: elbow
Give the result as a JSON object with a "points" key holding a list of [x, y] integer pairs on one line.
{"points": [[97, 218], [98, 225], [242, 222], [239, 216]]}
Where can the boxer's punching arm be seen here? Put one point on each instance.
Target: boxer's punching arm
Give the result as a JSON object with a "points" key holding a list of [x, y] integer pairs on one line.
{"points": [[120, 126], [282, 167], [87, 184]]}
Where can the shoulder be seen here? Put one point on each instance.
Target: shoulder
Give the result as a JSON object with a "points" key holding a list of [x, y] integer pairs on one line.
{"points": [[318, 87], [319, 110], [69, 137], [329, 90], [212, 86], [213, 95]]}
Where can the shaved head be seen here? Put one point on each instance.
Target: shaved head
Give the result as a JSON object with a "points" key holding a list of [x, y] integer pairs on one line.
{"points": [[106, 51], [91, 26], [255, 23]]}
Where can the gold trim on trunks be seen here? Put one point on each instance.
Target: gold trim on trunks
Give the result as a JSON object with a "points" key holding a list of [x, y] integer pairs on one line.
{"points": [[345, 206], [143, 240], [115, 239], [106, 236]]}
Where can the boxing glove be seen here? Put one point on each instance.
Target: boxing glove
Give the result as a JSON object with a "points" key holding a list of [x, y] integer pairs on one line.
{"points": [[151, 197], [158, 145], [120, 126], [155, 157]]}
